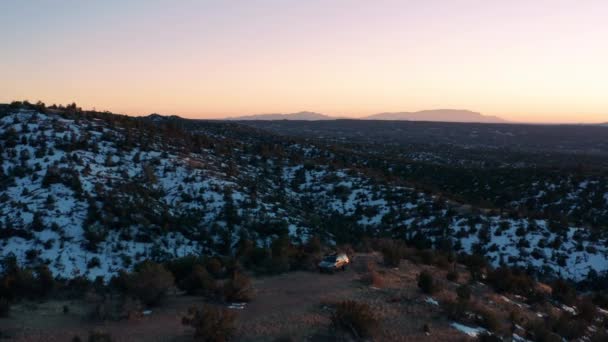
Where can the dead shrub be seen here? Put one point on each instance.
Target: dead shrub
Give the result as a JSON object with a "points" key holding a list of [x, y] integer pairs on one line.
{"points": [[356, 318], [238, 288], [211, 324], [372, 277]]}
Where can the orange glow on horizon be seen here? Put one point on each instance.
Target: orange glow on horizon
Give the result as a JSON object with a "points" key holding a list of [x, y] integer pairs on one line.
{"points": [[524, 62]]}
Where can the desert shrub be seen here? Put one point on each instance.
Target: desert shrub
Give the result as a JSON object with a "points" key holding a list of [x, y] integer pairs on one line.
{"points": [[302, 260], [426, 283], [570, 328], [517, 317], [488, 319], [563, 292], [538, 331], [601, 299], [452, 276], [102, 308], [77, 286], [94, 262], [454, 309], [488, 337], [599, 336], [130, 309], [476, 264], [182, 267], [426, 256], [238, 288], [120, 281], [392, 254], [215, 267], [441, 261], [504, 279], [17, 282], [464, 293], [198, 282], [98, 336], [586, 310], [210, 324], [149, 282], [313, 245], [232, 265], [276, 265], [356, 318], [5, 307], [45, 282]]}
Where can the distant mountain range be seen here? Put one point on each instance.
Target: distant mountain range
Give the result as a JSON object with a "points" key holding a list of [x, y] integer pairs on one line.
{"points": [[443, 115], [306, 116]]}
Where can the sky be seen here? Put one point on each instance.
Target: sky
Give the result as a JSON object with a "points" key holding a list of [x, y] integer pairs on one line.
{"points": [[525, 61]]}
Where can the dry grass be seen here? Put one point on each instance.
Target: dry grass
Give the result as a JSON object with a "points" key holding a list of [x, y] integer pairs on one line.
{"points": [[372, 277]]}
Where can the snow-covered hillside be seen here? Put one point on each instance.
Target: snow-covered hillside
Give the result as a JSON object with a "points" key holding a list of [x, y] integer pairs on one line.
{"points": [[90, 194]]}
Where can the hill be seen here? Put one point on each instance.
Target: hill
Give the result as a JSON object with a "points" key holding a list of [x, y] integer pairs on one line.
{"points": [[81, 186], [442, 115]]}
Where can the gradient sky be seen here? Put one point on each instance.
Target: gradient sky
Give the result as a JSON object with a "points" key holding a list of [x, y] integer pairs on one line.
{"points": [[533, 60]]}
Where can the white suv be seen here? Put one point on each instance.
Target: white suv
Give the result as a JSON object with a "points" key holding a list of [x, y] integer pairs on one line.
{"points": [[334, 262]]}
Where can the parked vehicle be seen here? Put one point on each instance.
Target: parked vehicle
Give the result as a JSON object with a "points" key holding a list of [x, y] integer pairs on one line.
{"points": [[334, 262]]}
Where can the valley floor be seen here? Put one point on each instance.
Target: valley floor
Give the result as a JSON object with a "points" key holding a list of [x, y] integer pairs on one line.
{"points": [[294, 305]]}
